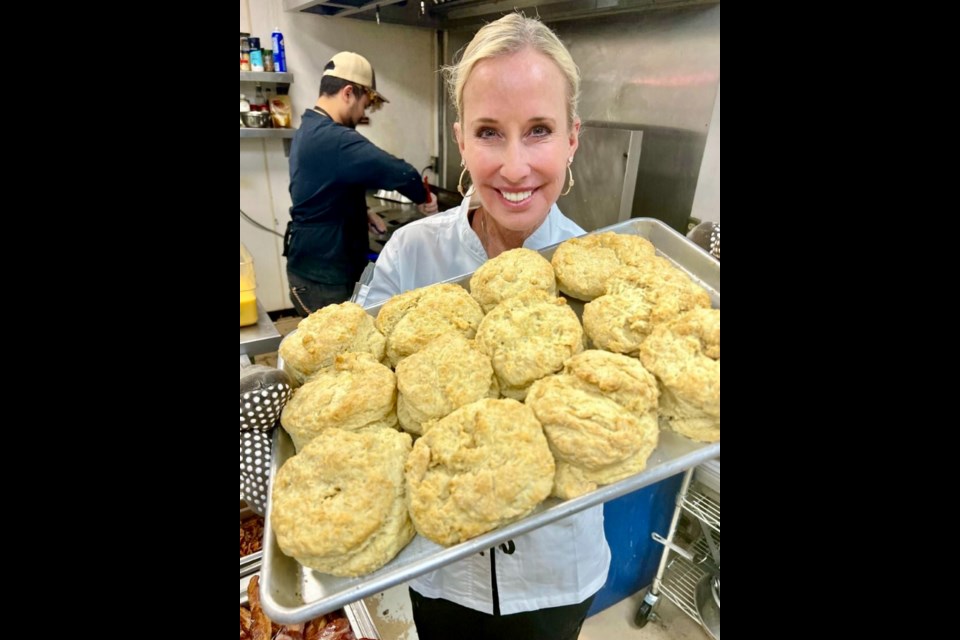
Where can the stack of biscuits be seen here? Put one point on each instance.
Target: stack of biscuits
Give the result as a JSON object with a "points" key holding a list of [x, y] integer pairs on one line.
{"points": [[507, 396]]}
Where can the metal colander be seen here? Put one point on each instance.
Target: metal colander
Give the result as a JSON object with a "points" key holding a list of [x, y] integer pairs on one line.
{"points": [[707, 236]]}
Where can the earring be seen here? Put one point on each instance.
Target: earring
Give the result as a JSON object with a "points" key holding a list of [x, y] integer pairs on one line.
{"points": [[570, 172], [460, 183]]}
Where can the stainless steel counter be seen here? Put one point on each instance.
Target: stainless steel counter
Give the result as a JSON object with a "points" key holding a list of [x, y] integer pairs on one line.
{"points": [[258, 338]]}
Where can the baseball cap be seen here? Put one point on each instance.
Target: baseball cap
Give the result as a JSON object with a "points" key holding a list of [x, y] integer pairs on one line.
{"points": [[353, 67]]}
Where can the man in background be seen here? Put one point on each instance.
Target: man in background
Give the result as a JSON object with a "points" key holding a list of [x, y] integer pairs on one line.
{"points": [[331, 168]]}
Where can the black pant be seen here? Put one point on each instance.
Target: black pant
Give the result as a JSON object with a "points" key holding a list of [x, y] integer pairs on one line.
{"points": [[439, 619], [307, 296]]}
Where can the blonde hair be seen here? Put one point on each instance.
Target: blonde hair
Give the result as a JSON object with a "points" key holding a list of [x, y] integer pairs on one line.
{"points": [[510, 34]]}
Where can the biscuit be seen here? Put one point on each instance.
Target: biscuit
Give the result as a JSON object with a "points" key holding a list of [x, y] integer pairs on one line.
{"points": [[339, 506], [600, 419], [355, 393], [334, 329], [618, 322], [637, 299], [483, 466], [669, 290], [583, 265], [445, 375], [684, 354], [411, 320], [510, 273], [528, 337]]}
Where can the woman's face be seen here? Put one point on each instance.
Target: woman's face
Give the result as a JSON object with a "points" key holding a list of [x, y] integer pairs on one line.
{"points": [[514, 136]]}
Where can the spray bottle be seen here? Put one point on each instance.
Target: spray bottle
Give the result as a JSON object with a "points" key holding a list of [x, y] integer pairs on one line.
{"points": [[279, 51]]}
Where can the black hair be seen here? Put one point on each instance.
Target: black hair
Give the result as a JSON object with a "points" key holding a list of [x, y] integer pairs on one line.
{"points": [[331, 86]]}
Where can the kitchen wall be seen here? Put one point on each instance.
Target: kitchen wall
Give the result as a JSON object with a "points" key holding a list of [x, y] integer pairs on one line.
{"points": [[404, 59], [706, 202]]}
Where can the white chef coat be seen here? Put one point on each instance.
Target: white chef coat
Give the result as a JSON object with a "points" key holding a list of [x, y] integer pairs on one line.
{"points": [[559, 564]]}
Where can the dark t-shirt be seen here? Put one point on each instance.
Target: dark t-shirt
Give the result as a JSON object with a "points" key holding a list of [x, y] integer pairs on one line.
{"points": [[331, 168]]}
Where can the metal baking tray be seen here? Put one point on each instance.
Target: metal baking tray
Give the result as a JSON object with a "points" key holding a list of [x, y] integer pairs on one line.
{"points": [[292, 593]]}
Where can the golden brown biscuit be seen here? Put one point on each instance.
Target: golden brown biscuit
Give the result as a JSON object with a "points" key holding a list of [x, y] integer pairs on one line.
{"points": [[357, 392], [445, 375], [528, 337], [339, 506], [684, 354], [669, 290], [334, 329], [510, 273], [638, 298], [411, 320], [600, 418], [618, 322], [483, 466], [583, 265]]}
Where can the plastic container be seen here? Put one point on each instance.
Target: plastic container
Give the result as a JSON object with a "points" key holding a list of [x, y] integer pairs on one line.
{"points": [[248, 289], [628, 522]]}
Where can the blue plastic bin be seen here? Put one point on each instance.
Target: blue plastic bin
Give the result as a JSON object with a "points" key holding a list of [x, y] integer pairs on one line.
{"points": [[628, 522]]}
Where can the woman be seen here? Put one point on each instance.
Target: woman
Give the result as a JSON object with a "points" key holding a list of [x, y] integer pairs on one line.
{"points": [[516, 90]]}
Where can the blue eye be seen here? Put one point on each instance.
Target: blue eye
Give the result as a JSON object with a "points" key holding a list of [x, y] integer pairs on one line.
{"points": [[486, 133], [540, 131]]}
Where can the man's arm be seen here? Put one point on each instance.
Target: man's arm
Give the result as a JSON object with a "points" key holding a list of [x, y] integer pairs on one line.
{"points": [[362, 162]]}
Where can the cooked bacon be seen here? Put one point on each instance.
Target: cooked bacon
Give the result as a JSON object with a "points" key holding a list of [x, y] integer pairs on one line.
{"points": [[245, 623], [261, 629], [339, 629], [290, 632], [314, 627], [255, 625], [251, 535]]}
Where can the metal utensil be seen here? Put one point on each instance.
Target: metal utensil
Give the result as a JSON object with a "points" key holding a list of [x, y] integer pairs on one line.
{"points": [[708, 603]]}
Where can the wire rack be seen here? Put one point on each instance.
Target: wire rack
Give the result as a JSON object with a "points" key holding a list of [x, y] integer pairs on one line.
{"points": [[679, 582], [681, 576], [703, 508]]}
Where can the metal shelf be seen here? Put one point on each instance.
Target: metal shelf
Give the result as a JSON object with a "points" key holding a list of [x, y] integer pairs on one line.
{"points": [[266, 76], [679, 584], [681, 577], [273, 134], [703, 508], [277, 134]]}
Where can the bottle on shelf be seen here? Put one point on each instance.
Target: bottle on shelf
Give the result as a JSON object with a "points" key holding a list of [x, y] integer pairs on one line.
{"points": [[279, 51], [256, 55], [259, 102], [244, 52]]}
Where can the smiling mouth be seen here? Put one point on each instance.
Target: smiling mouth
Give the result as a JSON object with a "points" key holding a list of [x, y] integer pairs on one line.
{"points": [[516, 196]]}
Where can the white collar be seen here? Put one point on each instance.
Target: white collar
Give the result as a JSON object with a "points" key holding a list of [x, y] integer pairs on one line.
{"points": [[541, 237], [468, 237]]}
